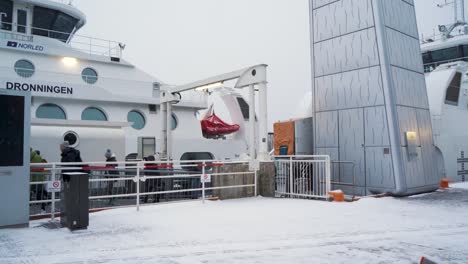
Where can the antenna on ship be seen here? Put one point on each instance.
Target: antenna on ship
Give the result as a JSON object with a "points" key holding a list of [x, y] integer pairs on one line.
{"points": [[459, 18]]}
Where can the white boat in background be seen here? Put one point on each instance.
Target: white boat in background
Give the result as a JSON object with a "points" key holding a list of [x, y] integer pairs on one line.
{"points": [[445, 58], [84, 92]]}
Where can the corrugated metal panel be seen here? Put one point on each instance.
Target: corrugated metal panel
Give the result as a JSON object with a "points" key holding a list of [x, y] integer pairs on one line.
{"points": [[352, 144], [404, 51], [408, 122], [361, 88], [304, 137], [413, 168], [376, 127], [405, 14], [326, 127], [346, 53], [342, 17], [379, 168], [410, 88], [427, 145]]}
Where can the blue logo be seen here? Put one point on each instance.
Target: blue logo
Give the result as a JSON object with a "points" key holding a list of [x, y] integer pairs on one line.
{"points": [[25, 46], [12, 44]]}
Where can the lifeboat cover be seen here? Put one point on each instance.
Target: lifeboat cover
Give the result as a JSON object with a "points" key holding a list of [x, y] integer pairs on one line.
{"points": [[213, 126]]}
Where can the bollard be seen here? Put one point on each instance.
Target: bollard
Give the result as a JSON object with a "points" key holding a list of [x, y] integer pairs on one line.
{"points": [[338, 196], [444, 183]]}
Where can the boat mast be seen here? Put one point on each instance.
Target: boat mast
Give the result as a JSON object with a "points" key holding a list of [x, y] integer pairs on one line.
{"points": [[459, 17]]}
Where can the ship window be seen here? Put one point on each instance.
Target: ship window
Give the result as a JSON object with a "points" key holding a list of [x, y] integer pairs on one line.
{"points": [[50, 111], [244, 107], [89, 75], [24, 68], [21, 19], [6, 7], [445, 55], [427, 58], [175, 122], [53, 24], [93, 114], [137, 119], [72, 138], [453, 91]]}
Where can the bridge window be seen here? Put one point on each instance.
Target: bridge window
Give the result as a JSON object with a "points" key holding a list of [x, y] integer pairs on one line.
{"points": [[24, 68], [93, 114], [6, 7], [53, 24], [453, 91], [137, 119], [50, 111], [445, 55]]}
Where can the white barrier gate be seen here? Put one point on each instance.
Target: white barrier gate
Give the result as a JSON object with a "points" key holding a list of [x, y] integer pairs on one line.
{"points": [[135, 183], [303, 176]]}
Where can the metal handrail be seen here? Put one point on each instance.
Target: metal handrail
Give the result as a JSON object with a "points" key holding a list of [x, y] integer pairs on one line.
{"points": [[108, 47], [138, 174]]}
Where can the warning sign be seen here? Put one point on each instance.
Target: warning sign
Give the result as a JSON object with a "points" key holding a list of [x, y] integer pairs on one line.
{"points": [[206, 178], [54, 186]]}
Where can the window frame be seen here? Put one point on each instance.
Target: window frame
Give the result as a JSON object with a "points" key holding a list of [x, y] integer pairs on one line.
{"points": [[55, 105], [449, 101], [87, 80], [142, 115], [106, 117], [15, 68]]}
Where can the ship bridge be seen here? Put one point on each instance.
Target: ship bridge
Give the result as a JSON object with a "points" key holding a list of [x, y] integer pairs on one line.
{"points": [[46, 18], [43, 21]]}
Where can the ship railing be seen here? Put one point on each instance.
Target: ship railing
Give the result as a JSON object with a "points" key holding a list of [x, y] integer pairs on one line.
{"points": [[429, 67], [140, 183], [85, 44]]}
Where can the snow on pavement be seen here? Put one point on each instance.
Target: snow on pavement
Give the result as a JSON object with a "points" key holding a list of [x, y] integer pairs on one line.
{"points": [[258, 230]]}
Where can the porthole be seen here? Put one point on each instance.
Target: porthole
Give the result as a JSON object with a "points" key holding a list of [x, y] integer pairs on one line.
{"points": [[89, 75], [50, 111], [72, 138], [137, 119], [24, 68]]}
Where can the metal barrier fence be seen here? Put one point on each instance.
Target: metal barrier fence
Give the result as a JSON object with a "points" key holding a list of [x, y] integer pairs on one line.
{"points": [[124, 184], [303, 176], [343, 175]]}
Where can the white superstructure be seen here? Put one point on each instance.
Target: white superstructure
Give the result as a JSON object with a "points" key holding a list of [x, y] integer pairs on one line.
{"points": [[444, 58], [83, 90]]}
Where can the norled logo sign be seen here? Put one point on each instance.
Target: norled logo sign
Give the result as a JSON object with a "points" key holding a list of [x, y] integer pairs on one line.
{"points": [[25, 46], [40, 88]]}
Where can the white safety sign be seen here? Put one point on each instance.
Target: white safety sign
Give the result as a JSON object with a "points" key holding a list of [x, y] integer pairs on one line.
{"points": [[206, 178], [54, 186]]}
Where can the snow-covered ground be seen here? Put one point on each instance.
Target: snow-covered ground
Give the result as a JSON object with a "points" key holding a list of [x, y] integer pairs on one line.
{"points": [[258, 230]]}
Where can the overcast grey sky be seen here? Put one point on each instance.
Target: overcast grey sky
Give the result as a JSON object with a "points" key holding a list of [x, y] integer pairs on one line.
{"points": [[180, 41]]}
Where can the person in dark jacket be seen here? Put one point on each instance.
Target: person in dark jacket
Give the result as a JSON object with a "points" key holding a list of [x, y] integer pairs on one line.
{"points": [[70, 155], [112, 173]]}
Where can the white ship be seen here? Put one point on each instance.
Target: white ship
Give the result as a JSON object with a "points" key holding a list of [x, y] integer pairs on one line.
{"points": [[445, 58], [85, 92]]}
